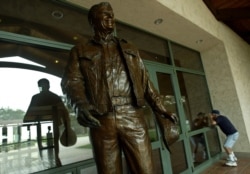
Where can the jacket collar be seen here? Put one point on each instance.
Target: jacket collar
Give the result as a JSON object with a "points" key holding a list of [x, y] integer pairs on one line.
{"points": [[101, 40]]}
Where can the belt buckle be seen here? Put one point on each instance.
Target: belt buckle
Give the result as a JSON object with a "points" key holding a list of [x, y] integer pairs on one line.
{"points": [[125, 109], [120, 101], [117, 101]]}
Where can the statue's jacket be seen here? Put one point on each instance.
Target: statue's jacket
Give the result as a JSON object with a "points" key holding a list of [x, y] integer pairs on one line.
{"points": [[84, 82]]}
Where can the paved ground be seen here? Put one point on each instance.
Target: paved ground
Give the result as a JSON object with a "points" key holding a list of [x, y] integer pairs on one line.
{"points": [[27, 159]]}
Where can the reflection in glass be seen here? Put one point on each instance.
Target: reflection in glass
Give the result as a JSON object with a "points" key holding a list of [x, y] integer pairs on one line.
{"points": [[167, 92], [200, 121], [198, 144], [91, 170], [194, 90], [213, 142], [18, 141], [157, 161], [186, 58], [178, 160], [151, 47], [149, 117], [50, 60], [19, 148], [64, 35]]}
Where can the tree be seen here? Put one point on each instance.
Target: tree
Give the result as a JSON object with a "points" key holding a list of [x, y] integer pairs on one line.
{"points": [[10, 114]]}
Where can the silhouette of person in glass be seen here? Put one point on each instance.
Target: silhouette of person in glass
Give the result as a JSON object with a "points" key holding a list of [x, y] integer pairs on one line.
{"points": [[48, 98], [107, 84], [199, 122]]}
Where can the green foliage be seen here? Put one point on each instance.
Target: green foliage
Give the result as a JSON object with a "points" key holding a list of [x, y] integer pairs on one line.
{"points": [[10, 114]]}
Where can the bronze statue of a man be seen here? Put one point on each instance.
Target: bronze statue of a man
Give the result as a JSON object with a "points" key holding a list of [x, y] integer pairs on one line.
{"points": [[108, 86]]}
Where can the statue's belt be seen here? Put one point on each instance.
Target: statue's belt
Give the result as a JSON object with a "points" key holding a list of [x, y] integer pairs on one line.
{"points": [[119, 101]]}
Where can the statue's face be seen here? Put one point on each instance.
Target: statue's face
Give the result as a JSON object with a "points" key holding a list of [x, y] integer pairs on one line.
{"points": [[214, 116], [104, 19]]}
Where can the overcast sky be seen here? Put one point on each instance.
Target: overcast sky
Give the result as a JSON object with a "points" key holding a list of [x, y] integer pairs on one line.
{"points": [[17, 86]]}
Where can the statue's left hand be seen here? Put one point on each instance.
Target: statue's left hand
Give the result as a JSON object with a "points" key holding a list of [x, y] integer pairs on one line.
{"points": [[172, 116], [84, 118]]}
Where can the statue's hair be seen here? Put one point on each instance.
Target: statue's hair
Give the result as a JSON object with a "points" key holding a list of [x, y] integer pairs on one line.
{"points": [[43, 81], [94, 9]]}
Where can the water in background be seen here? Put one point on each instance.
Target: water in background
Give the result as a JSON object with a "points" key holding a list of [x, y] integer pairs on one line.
{"points": [[16, 133]]}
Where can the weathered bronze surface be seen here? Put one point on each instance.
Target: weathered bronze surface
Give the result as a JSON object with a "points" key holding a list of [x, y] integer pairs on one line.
{"points": [[107, 84]]}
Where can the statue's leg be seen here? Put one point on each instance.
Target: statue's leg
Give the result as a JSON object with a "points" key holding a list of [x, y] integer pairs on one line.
{"points": [[135, 142], [107, 152]]}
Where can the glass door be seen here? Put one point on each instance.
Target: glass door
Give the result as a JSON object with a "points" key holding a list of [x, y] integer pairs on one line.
{"points": [[166, 82]]}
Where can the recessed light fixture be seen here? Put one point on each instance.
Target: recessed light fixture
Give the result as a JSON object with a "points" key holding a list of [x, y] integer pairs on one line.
{"points": [[75, 38], [158, 21], [199, 41], [56, 61], [56, 14]]}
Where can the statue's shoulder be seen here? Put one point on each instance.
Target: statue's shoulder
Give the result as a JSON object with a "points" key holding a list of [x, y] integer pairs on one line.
{"points": [[124, 41], [87, 50], [128, 47], [83, 45], [125, 44]]}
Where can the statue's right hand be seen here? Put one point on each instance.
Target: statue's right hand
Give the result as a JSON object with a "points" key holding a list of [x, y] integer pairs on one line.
{"points": [[84, 118]]}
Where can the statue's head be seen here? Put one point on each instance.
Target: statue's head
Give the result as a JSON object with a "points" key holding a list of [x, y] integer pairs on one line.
{"points": [[43, 84], [101, 17]]}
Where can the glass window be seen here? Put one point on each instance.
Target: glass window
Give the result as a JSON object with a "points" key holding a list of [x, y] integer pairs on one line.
{"points": [[50, 60], [151, 47], [178, 159], [196, 103], [195, 96], [167, 92], [199, 150], [91, 170], [19, 145], [59, 22], [149, 117], [186, 58], [157, 161], [213, 143]]}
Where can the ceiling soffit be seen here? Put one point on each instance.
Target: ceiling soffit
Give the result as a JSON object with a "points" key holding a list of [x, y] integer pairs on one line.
{"points": [[234, 13]]}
